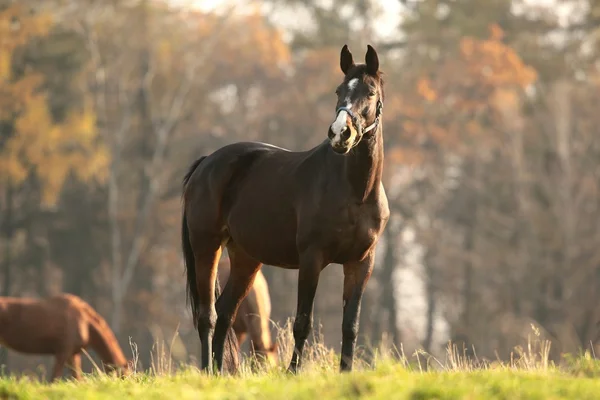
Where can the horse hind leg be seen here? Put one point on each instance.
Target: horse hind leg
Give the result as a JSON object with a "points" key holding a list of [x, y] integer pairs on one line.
{"points": [[243, 271], [207, 253]]}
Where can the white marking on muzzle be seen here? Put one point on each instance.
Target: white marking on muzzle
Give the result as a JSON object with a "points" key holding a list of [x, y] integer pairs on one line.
{"points": [[341, 121]]}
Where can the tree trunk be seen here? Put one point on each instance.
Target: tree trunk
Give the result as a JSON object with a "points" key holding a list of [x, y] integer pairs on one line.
{"points": [[431, 303], [467, 292], [8, 233], [7, 267], [387, 304], [146, 131]]}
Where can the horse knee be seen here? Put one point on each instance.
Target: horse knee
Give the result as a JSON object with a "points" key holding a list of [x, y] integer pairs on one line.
{"points": [[302, 325]]}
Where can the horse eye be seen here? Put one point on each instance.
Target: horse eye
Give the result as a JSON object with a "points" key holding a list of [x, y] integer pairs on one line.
{"points": [[372, 93]]}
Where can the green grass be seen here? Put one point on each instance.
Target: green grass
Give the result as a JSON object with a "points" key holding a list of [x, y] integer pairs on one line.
{"points": [[528, 375], [388, 381]]}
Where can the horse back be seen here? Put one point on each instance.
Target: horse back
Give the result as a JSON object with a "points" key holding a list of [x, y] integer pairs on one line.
{"points": [[38, 326]]}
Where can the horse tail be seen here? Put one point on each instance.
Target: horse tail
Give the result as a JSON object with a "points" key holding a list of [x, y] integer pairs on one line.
{"points": [[230, 356], [103, 340], [188, 253], [191, 170]]}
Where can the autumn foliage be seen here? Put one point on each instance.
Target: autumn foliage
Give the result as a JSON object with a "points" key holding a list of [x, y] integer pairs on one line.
{"points": [[32, 142]]}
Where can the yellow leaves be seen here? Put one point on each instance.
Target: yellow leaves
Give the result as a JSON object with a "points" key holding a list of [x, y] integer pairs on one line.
{"points": [[35, 142], [18, 26], [5, 64], [54, 150]]}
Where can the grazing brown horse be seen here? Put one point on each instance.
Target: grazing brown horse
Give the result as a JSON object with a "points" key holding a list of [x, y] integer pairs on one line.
{"points": [[297, 210], [253, 317], [61, 326]]}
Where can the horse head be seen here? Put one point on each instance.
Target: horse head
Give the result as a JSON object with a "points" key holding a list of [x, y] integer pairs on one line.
{"points": [[359, 101]]}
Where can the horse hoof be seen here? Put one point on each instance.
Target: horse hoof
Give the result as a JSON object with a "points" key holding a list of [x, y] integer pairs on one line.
{"points": [[292, 370]]}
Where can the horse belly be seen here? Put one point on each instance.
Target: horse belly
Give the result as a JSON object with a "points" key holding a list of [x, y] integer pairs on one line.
{"points": [[29, 341], [267, 235]]}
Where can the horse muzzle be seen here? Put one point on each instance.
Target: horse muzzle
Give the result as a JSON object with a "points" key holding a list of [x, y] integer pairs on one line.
{"points": [[341, 142]]}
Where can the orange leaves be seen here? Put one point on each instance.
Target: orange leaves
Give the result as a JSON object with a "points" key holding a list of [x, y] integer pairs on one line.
{"points": [[246, 44], [496, 33], [424, 89], [266, 42], [470, 95], [492, 62]]}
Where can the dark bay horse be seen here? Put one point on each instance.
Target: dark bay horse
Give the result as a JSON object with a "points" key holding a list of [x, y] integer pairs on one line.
{"points": [[297, 210]]}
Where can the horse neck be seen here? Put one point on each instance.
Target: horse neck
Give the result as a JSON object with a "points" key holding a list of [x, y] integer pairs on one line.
{"points": [[364, 166], [105, 344]]}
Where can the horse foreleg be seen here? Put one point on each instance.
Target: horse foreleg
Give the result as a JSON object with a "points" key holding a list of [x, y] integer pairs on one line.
{"points": [[75, 364], [242, 274], [310, 268], [356, 276], [59, 364]]}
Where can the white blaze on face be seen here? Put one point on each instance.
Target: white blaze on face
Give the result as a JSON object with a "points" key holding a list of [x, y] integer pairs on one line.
{"points": [[340, 122]]}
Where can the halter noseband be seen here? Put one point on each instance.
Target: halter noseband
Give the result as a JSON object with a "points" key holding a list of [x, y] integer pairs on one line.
{"points": [[356, 121]]}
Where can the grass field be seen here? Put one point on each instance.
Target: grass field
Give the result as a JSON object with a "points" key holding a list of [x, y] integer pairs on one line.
{"points": [[391, 381], [529, 375]]}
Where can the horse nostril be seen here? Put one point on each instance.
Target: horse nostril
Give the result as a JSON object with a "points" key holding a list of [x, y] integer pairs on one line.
{"points": [[330, 134], [346, 133]]}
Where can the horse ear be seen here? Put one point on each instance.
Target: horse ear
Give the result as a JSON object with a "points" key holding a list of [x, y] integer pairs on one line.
{"points": [[372, 60], [346, 60]]}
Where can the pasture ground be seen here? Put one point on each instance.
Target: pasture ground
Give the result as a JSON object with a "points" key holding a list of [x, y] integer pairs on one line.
{"points": [[390, 375], [388, 381]]}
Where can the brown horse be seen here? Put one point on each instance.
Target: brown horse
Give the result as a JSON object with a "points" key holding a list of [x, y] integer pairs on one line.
{"points": [[253, 317], [298, 210], [62, 326]]}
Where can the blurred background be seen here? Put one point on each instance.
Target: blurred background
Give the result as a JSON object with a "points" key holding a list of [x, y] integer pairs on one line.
{"points": [[492, 158]]}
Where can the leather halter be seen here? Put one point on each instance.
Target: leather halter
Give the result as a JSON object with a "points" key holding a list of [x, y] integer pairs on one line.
{"points": [[356, 120]]}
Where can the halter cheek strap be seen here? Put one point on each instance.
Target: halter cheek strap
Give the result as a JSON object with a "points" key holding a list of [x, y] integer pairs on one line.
{"points": [[356, 121], [377, 117]]}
